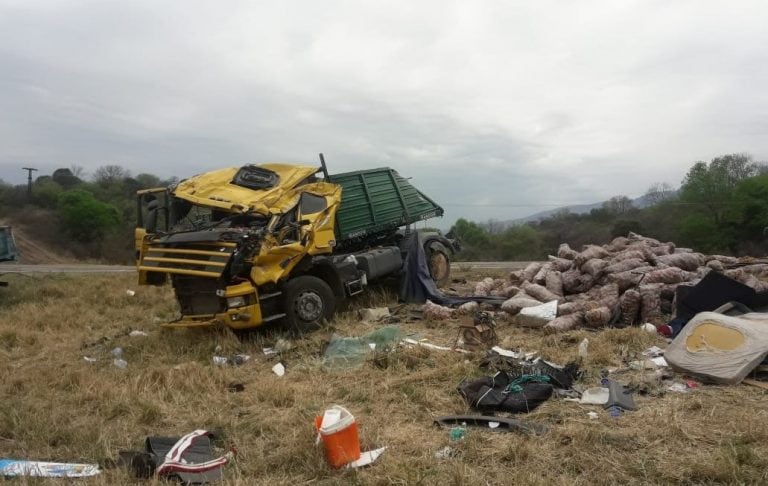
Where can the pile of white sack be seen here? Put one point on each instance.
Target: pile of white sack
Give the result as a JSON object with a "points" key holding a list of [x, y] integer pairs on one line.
{"points": [[624, 282]]}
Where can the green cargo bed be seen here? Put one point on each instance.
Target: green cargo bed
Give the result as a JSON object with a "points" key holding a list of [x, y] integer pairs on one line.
{"points": [[378, 201]]}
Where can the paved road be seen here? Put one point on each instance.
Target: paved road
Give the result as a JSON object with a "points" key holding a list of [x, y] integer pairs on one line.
{"points": [[64, 268], [88, 268]]}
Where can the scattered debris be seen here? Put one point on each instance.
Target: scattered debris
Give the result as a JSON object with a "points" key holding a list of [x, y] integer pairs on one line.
{"points": [[40, 469], [235, 360], [130, 293], [648, 327], [719, 348], [503, 424], [423, 344], [619, 397], [584, 348], [503, 392], [678, 388], [88, 359], [138, 334], [279, 369], [350, 352], [653, 352], [374, 314], [480, 333], [119, 362], [592, 415], [189, 458], [595, 396], [367, 458], [337, 430], [283, 345], [446, 452], [507, 353], [538, 315], [458, 432]]}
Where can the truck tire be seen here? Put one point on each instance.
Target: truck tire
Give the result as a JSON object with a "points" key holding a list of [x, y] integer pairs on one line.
{"points": [[439, 263], [307, 300]]}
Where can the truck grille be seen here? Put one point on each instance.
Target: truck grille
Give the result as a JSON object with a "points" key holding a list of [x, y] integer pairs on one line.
{"points": [[193, 259]]}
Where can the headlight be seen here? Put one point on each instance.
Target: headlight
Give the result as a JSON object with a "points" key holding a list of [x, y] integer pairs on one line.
{"points": [[235, 302]]}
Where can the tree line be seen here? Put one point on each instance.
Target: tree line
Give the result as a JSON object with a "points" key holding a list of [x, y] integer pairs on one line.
{"points": [[90, 217], [721, 206]]}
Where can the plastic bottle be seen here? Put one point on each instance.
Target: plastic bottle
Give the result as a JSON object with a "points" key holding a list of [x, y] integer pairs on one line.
{"points": [[119, 361], [583, 348], [458, 432]]}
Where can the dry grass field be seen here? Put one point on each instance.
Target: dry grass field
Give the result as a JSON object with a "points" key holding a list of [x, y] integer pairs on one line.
{"points": [[56, 406]]}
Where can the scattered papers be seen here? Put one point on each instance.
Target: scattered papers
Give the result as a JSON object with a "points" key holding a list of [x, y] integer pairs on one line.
{"points": [[653, 352], [648, 327], [366, 458], [678, 387], [237, 359], [507, 353], [445, 453], [432, 346], [595, 396], [279, 369]]}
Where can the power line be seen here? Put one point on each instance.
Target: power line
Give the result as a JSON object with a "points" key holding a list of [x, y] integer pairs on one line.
{"points": [[29, 180]]}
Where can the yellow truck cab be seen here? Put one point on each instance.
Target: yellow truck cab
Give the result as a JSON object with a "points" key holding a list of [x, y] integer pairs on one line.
{"points": [[245, 246]]}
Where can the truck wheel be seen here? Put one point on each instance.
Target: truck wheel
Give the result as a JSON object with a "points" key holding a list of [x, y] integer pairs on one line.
{"points": [[439, 264], [307, 300]]}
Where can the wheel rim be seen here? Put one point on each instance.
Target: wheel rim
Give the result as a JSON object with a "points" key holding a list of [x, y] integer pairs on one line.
{"points": [[308, 306]]}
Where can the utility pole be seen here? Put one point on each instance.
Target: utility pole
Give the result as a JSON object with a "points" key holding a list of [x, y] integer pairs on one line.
{"points": [[29, 180]]}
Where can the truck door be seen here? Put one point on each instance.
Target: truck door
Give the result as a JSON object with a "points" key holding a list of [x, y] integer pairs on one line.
{"points": [[317, 222]]}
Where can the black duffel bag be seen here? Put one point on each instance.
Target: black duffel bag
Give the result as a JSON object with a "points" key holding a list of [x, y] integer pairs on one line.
{"points": [[498, 393]]}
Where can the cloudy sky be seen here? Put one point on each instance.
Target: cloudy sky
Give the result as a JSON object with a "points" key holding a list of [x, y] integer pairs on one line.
{"points": [[496, 109]]}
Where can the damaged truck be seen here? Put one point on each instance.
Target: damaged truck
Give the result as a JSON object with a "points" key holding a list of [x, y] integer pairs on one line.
{"points": [[246, 246]]}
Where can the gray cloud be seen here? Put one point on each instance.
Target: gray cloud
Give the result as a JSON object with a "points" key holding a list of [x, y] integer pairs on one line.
{"points": [[496, 110]]}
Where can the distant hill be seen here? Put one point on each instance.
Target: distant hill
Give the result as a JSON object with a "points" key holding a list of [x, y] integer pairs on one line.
{"points": [[638, 202]]}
